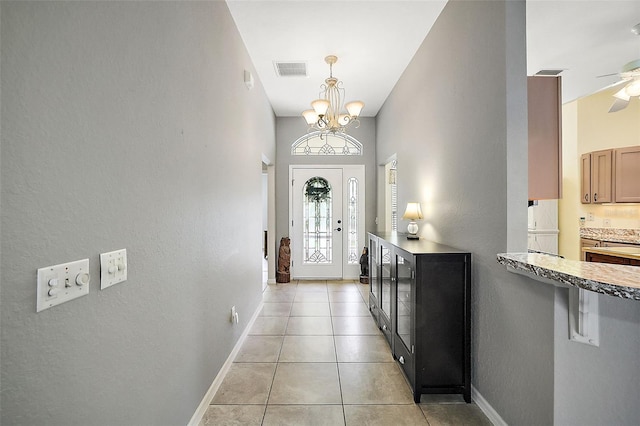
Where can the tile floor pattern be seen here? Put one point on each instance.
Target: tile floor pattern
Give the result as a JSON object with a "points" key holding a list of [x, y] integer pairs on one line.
{"points": [[314, 356]]}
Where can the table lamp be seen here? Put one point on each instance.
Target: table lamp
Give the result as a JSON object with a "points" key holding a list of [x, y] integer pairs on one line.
{"points": [[413, 212]]}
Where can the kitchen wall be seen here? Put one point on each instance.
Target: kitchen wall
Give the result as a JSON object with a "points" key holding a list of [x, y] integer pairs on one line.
{"points": [[127, 125], [588, 127], [458, 123]]}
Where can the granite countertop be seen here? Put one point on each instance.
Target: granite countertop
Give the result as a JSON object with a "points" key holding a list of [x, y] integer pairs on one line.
{"points": [[614, 280], [613, 235], [626, 252]]}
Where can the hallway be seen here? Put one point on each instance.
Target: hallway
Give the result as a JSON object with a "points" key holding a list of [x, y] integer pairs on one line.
{"points": [[315, 356]]}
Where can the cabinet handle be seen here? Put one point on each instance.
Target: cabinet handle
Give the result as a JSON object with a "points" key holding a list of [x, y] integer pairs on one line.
{"points": [[595, 197], [586, 197], [401, 360]]}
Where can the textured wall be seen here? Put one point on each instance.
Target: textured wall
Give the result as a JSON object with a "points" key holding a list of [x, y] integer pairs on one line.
{"points": [[457, 121], [599, 385], [289, 129], [126, 125]]}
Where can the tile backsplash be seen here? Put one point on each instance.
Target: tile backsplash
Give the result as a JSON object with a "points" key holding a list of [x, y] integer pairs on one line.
{"points": [[611, 216]]}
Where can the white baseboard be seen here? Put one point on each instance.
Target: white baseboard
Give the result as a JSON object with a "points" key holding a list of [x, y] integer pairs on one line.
{"points": [[204, 404], [486, 408], [271, 281]]}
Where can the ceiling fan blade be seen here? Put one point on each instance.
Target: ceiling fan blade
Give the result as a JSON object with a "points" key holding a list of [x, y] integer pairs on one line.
{"points": [[618, 104], [617, 83], [622, 94], [606, 75]]}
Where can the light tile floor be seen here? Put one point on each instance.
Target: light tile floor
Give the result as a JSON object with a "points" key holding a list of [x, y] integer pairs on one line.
{"points": [[315, 356]]}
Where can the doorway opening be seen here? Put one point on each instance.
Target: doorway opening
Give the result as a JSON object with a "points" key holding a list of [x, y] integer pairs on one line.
{"points": [[326, 208]]}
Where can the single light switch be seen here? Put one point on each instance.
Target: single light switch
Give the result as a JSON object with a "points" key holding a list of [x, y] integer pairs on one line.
{"points": [[113, 268]]}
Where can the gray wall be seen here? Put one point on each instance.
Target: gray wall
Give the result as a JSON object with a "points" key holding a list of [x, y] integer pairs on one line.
{"points": [[457, 121], [127, 125], [289, 129], [599, 385]]}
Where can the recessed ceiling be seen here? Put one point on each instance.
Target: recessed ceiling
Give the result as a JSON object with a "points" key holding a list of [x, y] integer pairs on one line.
{"points": [[376, 40]]}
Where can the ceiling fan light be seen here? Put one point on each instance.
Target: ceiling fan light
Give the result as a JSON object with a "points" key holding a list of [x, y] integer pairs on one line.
{"points": [[622, 94], [354, 108], [633, 89], [320, 106], [310, 116]]}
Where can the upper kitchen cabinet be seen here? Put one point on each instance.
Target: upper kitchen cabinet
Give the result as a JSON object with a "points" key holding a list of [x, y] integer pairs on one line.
{"points": [[627, 186], [602, 176], [545, 137], [585, 181]]}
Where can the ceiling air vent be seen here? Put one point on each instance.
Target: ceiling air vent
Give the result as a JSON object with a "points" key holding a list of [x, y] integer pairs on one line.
{"points": [[549, 72], [291, 69]]}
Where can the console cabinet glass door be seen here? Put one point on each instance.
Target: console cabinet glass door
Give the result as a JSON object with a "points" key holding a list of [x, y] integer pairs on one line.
{"points": [[405, 301], [385, 296], [374, 267]]}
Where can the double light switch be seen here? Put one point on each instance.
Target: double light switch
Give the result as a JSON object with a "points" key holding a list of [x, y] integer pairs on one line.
{"points": [[113, 268]]}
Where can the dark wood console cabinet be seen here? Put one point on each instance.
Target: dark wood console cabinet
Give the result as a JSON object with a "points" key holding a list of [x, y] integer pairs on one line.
{"points": [[420, 297]]}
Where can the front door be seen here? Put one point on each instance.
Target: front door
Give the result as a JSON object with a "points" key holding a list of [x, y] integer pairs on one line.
{"points": [[326, 206], [317, 225]]}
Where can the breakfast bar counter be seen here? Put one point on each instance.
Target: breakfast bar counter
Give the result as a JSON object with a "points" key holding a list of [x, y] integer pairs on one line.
{"points": [[614, 280]]}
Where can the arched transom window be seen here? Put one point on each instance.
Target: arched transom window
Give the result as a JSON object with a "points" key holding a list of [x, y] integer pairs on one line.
{"points": [[318, 143]]}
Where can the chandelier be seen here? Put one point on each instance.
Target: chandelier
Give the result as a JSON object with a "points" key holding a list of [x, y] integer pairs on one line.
{"points": [[327, 114]]}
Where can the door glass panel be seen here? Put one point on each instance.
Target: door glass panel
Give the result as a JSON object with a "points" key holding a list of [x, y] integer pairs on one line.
{"points": [[352, 236], [317, 231], [404, 297], [385, 302], [374, 265]]}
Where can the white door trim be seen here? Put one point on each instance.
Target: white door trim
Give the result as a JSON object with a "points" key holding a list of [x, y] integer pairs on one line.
{"points": [[349, 271]]}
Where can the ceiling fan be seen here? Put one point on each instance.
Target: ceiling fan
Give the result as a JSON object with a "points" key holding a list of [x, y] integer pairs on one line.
{"points": [[630, 77]]}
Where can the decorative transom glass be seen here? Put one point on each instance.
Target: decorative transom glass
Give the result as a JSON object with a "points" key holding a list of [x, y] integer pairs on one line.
{"points": [[319, 143], [317, 232], [352, 236]]}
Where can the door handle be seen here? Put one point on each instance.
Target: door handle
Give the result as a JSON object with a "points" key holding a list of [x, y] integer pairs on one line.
{"points": [[338, 229]]}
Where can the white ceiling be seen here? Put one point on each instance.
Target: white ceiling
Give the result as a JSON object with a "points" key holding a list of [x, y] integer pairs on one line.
{"points": [[375, 41]]}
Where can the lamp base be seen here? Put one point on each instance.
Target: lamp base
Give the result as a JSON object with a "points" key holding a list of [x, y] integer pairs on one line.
{"points": [[412, 230]]}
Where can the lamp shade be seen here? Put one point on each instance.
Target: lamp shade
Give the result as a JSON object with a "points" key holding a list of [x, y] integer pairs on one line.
{"points": [[310, 116], [354, 108], [413, 211], [320, 106]]}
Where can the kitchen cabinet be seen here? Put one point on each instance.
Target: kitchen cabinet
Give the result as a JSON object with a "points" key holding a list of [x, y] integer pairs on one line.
{"points": [[427, 320], [627, 175], [585, 180], [601, 176], [544, 96]]}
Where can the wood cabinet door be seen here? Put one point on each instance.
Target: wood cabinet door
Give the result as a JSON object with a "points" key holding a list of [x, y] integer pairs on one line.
{"points": [[627, 175], [601, 176], [545, 137], [585, 181]]}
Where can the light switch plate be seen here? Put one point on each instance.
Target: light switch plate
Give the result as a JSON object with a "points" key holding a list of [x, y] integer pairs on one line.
{"points": [[60, 283], [113, 268]]}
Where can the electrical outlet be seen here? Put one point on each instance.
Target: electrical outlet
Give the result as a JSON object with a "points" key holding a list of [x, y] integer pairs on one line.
{"points": [[607, 223], [590, 217]]}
